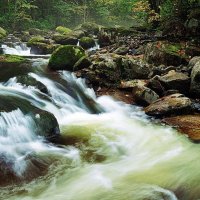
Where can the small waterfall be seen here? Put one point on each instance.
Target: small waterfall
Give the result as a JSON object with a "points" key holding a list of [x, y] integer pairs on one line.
{"points": [[17, 49]]}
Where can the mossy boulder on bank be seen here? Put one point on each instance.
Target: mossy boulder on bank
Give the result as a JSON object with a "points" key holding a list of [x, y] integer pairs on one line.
{"points": [[87, 42], [63, 30], [65, 57], [36, 39]]}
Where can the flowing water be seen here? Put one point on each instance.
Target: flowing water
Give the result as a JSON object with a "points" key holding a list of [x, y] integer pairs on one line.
{"points": [[118, 154]]}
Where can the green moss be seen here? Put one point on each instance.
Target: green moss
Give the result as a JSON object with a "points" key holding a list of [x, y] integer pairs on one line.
{"points": [[3, 32], [64, 57], [63, 30], [87, 42], [12, 59], [36, 39]]}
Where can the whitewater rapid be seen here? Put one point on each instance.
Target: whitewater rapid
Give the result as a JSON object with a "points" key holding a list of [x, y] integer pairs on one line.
{"points": [[117, 154]]}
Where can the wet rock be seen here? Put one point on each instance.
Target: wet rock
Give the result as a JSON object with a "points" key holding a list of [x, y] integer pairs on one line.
{"points": [[187, 124], [87, 42], [170, 105], [163, 53], [30, 81], [143, 95], [65, 57], [176, 81], [195, 80], [45, 124]]}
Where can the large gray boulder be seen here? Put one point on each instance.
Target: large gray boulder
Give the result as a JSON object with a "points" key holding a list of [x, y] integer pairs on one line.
{"points": [[175, 81], [170, 105]]}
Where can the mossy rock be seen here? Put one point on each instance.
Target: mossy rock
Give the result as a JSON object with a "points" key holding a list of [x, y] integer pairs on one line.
{"points": [[165, 53], [36, 39], [87, 42], [39, 48], [36, 31], [3, 33], [63, 30], [90, 28], [12, 59], [65, 39], [65, 57]]}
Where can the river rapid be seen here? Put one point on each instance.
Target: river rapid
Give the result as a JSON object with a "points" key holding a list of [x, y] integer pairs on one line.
{"points": [[119, 154]]}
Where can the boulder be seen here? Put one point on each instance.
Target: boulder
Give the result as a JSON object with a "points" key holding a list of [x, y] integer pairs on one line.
{"points": [[143, 95], [134, 69], [89, 28], [41, 46], [36, 31], [82, 63], [65, 39], [187, 124], [65, 57], [63, 30], [87, 42], [193, 61], [11, 66], [169, 105], [195, 80], [164, 53], [175, 81], [123, 50]]}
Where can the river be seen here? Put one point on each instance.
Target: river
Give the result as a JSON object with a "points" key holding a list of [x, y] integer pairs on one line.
{"points": [[120, 155]]}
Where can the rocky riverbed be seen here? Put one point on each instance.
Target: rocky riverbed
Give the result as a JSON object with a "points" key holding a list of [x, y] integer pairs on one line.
{"points": [[141, 68]]}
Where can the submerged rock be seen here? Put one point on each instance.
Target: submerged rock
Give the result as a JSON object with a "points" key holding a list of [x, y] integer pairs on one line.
{"points": [[65, 57], [30, 81], [170, 105], [187, 124]]}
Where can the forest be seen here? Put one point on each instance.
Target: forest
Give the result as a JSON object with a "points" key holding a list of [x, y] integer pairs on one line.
{"points": [[48, 14]]}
